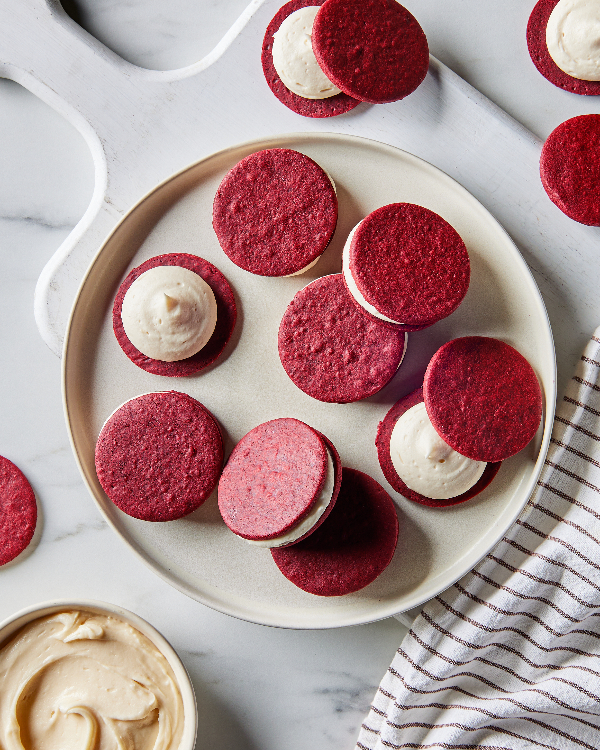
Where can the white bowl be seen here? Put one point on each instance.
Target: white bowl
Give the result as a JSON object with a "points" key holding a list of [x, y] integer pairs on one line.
{"points": [[10, 626]]}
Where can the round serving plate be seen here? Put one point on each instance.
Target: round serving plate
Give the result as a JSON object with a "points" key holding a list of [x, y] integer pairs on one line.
{"points": [[248, 385]]}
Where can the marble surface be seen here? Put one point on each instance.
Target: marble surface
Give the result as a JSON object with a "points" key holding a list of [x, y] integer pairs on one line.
{"points": [[257, 687]]}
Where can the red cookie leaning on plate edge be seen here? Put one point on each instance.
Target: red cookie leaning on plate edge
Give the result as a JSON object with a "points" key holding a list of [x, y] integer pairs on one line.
{"points": [[538, 51], [226, 316], [482, 397], [329, 107]]}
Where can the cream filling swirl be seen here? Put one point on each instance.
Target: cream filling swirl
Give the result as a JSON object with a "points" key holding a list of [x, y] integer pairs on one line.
{"points": [[426, 463], [573, 38]]}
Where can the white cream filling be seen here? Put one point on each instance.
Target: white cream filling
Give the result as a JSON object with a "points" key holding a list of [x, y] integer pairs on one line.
{"points": [[169, 313], [310, 520], [425, 463], [294, 59], [354, 290], [573, 38]]}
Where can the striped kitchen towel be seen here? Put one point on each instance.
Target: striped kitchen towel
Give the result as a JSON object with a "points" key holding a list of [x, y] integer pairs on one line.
{"points": [[509, 657]]}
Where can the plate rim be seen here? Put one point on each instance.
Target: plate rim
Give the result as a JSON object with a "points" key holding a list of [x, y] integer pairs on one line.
{"points": [[341, 618]]}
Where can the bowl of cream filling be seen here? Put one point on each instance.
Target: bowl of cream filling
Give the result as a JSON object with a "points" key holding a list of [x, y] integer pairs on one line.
{"points": [[88, 675]]}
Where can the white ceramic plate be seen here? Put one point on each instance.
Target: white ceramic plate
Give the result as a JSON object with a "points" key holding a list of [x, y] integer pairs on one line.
{"points": [[247, 386]]}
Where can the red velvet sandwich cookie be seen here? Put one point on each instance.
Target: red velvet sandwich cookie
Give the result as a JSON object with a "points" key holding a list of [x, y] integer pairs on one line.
{"points": [[280, 483], [18, 511], [226, 314], [406, 266], [354, 545], [570, 168], [390, 466], [373, 50], [159, 456], [538, 51], [275, 212], [483, 398], [328, 107], [331, 350]]}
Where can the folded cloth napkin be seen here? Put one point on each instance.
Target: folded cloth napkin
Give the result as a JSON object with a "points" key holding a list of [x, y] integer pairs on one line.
{"points": [[509, 657]]}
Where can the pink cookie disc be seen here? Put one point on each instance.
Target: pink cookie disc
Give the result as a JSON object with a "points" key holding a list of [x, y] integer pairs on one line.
{"points": [[275, 212], [159, 456], [226, 317], [349, 550], [538, 51], [570, 168], [330, 107], [333, 352], [374, 50], [482, 397], [410, 264], [384, 434], [273, 479], [18, 511]]}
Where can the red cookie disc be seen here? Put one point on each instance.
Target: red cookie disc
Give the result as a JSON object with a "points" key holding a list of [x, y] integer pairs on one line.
{"points": [[274, 477], [333, 105], [409, 264], [18, 511], [483, 398], [538, 51], [275, 212], [226, 316], [570, 168], [354, 545], [333, 352], [374, 50], [384, 434], [159, 456]]}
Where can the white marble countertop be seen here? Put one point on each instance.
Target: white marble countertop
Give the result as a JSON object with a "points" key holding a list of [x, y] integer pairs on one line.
{"points": [[257, 687]]}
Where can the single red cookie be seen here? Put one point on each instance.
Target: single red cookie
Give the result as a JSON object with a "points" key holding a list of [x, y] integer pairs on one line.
{"points": [[570, 168], [354, 545], [333, 352], [382, 441], [538, 51], [373, 50], [275, 212], [483, 398], [273, 479], [409, 264], [226, 317], [159, 456], [18, 511], [333, 105]]}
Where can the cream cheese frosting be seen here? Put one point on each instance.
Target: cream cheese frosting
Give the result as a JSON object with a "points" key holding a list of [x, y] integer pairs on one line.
{"points": [[294, 59], [79, 680], [425, 463], [169, 313], [573, 38], [314, 514]]}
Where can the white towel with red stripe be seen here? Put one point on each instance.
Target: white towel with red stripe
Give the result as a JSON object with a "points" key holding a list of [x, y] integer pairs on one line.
{"points": [[509, 657]]}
